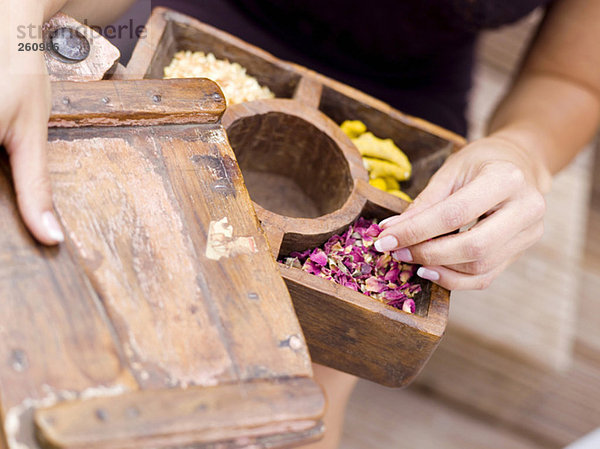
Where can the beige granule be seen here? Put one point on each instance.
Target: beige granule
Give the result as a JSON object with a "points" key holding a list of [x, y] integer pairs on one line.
{"points": [[236, 84]]}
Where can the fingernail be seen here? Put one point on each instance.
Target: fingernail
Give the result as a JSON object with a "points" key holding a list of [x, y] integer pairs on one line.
{"points": [[428, 274], [52, 227], [387, 243], [389, 220], [402, 255]]}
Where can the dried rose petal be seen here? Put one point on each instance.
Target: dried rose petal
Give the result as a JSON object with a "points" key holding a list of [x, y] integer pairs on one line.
{"points": [[395, 294], [409, 306], [392, 275], [319, 257], [375, 285], [349, 259]]}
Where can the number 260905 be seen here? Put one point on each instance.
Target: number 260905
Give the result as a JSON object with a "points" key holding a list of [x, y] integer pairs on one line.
{"points": [[22, 46]]}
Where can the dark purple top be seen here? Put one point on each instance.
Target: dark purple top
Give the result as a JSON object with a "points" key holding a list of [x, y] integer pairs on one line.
{"points": [[416, 55]]}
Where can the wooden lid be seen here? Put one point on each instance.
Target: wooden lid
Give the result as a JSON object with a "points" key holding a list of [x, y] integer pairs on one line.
{"points": [[162, 320]]}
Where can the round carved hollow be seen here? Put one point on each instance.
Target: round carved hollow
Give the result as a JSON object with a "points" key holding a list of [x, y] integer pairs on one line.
{"points": [[290, 167], [299, 168]]}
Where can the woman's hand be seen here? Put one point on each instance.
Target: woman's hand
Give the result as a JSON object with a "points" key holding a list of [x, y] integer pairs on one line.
{"points": [[492, 180], [24, 111]]}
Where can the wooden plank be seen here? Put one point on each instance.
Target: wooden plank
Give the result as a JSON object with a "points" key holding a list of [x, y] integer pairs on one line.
{"points": [[56, 342], [182, 180], [253, 298], [234, 416], [135, 103]]}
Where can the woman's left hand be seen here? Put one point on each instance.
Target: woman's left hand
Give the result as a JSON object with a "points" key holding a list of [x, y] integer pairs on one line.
{"points": [[493, 180]]}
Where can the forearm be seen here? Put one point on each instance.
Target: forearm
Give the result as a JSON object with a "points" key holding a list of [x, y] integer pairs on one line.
{"points": [[553, 109], [549, 115]]}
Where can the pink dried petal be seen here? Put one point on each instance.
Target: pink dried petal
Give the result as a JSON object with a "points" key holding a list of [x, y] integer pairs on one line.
{"points": [[409, 306], [311, 267], [405, 275], [373, 230], [375, 285], [395, 294], [392, 275], [415, 288], [383, 261], [319, 257], [300, 255]]}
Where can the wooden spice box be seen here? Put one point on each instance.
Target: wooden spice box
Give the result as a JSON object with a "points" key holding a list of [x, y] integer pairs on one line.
{"points": [[308, 183]]}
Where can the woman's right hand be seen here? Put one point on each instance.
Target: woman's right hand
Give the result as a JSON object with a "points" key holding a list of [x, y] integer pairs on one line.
{"points": [[24, 112]]}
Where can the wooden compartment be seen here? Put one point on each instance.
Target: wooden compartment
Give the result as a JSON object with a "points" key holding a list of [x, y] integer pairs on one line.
{"points": [[426, 150], [276, 143], [170, 32]]}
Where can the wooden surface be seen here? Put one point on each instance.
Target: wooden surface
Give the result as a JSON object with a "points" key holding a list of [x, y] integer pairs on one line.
{"points": [[136, 103], [262, 413], [102, 58], [308, 183], [159, 285]]}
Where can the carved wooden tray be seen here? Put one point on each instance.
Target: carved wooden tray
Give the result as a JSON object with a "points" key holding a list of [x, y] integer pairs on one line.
{"points": [[308, 183], [162, 320]]}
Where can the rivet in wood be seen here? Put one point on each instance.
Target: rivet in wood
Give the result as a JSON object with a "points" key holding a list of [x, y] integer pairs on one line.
{"points": [[105, 100], [49, 420], [201, 407], [66, 100], [156, 98], [293, 342], [69, 45], [19, 360], [101, 414], [253, 296], [132, 412]]}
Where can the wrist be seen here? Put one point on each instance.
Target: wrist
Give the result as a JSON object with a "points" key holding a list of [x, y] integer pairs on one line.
{"points": [[528, 147]]}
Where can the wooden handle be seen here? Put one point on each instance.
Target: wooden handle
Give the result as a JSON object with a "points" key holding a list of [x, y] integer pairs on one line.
{"points": [[135, 102], [195, 416]]}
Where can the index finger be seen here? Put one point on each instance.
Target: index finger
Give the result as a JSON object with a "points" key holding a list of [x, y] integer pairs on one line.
{"points": [[459, 209]]}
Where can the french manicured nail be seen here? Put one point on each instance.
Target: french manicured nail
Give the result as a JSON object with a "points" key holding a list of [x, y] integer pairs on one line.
{"points": [[389, 220], [403, 255], [52, 227], [428, 274], [387, 243]]}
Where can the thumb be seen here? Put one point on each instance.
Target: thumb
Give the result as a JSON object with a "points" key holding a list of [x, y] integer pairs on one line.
{"points": [[26, 148]]}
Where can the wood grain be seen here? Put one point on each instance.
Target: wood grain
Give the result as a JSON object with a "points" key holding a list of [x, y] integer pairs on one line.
{"points": [[135, 103], [56, 343], [309, 91], [258, 413]]}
